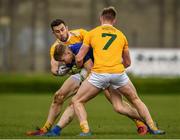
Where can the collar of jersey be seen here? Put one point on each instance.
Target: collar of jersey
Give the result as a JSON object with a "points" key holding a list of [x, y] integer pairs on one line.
{"points": [[69, 36], [106, 25]]}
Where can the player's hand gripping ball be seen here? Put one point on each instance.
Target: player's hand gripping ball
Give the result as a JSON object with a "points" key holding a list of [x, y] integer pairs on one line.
{"points": [[62, 70]]}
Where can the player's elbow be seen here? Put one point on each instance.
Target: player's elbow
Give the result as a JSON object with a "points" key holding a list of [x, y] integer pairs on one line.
{"points": [[54, 71], [127, 63], [126, 58], [54, 67]]}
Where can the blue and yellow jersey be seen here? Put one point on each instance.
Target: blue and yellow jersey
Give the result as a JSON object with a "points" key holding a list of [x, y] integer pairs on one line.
{"points": [[75, 36], [75, 49], [108, 43]]}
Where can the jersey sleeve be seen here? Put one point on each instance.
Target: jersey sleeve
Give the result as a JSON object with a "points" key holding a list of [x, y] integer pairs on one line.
{"points": [[52, 49], [87, 38], [83, 33], [126, 43]]}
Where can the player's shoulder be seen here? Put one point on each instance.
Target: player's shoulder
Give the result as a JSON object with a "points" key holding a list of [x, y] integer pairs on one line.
{"points": [[56, 42], [119, 32], [75, 46], [94, 30], [78, 31]]}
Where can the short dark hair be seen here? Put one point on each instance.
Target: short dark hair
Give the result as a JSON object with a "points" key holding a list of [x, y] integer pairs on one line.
{"points": [[57, 22], [109, 13], [59, 51]]}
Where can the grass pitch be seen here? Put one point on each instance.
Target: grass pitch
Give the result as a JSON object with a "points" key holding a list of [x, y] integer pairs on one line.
{"points": [[22, 112]]}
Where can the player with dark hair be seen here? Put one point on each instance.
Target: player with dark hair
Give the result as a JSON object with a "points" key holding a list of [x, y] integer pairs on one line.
{"points": [[70, 86]]}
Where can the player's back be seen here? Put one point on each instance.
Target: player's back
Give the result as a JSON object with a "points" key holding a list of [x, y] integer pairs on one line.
{"points": [[108, 44]]}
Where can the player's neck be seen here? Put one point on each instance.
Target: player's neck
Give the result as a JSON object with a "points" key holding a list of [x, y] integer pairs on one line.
{"points": [[107, 23], [68, 38]]}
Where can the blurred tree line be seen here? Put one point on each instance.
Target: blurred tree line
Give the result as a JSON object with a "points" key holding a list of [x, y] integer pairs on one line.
{"points": [[25, 34]]}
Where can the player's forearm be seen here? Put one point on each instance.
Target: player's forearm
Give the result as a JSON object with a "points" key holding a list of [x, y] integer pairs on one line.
{"points": [[126, 58], [126, 64], [88, 65], [54, 70], [80, 56], [54, 66]]}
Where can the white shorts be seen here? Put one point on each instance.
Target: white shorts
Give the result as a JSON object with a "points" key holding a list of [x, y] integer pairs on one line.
{"points": [[80, 76], [104, 80]]}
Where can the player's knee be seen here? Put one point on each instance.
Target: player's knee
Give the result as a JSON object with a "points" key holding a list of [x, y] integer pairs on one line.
{"points": [[119, 109], [71, 105], [135, 99], [59, 97], [75, 101], [131, 95]]}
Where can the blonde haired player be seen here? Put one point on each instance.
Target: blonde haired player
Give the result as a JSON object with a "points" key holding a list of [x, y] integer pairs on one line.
{"points": [[111, 57]]}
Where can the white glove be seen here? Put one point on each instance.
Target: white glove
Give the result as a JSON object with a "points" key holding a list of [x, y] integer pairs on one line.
{"points": [[62, 70]]}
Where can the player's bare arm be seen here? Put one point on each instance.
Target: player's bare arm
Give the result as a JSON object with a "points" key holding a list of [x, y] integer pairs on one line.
{"points": [[54, 66], [88, 65], [126, 58], [80, 56]]}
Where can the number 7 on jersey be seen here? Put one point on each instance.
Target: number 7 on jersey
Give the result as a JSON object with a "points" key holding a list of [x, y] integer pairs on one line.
{"points": [[113, 37]]}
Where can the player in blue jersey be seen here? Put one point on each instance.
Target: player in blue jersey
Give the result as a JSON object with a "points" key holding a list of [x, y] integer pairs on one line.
{"points": [[67, 55]]}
